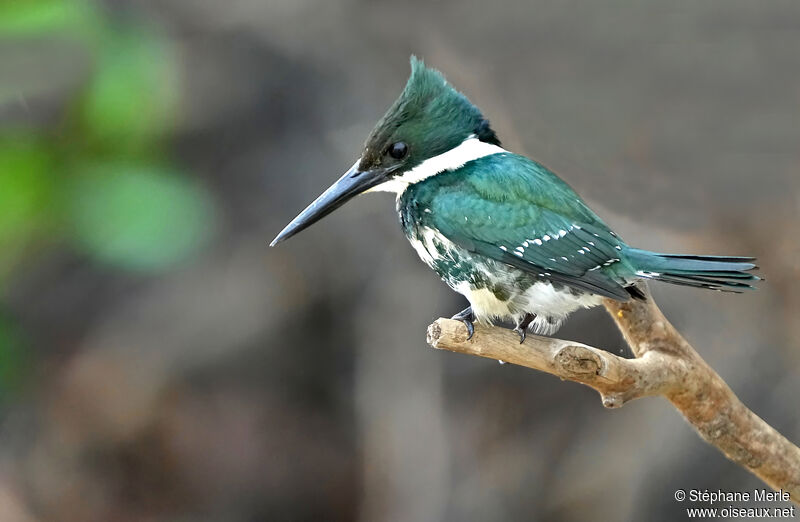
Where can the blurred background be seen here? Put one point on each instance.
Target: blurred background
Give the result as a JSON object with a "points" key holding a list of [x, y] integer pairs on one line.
{"points": [[159, 362]]}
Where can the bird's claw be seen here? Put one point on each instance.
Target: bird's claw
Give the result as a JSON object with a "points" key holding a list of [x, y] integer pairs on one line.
{"points": [[521, 332], [468, 318], [522, 327], [470, 328]]}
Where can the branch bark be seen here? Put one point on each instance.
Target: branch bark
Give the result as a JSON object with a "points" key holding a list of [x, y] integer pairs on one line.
{"points": [[665, 364]]}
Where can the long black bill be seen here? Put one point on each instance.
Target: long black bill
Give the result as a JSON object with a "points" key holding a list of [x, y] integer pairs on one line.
{"points": [[351, 184]]}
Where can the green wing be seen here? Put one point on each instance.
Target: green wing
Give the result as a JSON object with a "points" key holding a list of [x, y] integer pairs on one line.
{"points": [[517, 212]]}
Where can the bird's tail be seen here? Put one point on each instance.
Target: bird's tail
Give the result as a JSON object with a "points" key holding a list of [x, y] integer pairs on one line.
{"points": [[723, 273]]}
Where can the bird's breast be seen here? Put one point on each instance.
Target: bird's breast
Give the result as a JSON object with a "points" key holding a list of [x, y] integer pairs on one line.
{"points": [[494, 289]]}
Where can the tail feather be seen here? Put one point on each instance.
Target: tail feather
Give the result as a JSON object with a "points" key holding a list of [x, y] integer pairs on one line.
{"points": [[701, 282], [722, 273], [730, 274]]}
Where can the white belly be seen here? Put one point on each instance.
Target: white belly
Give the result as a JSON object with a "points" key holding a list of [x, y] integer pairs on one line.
{"points": [[550, 305]]}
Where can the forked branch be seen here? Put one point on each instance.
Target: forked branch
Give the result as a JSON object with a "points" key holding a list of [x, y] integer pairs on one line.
{"points": [[665, 364]]}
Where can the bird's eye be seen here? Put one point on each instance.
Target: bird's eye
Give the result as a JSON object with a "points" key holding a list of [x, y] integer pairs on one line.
{"points": [[398, 150]]}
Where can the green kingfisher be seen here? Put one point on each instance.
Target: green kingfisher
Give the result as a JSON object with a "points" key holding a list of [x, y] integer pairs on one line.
{"points": [[500, 228]]}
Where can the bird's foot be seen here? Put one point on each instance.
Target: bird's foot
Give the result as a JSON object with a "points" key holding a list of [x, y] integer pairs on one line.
{"points": [[522, 326], [468, 318]]}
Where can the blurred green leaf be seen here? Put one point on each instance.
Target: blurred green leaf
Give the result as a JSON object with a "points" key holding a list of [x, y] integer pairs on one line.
{"points": [[27, 17], [138, 217], [25, 195], [121, 210], [131, 98]]}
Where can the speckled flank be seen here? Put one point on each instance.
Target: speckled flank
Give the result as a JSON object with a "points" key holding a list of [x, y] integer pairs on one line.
{"points": [[497, 291]]}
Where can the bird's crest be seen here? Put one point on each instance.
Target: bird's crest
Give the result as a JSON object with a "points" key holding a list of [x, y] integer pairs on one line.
{"points": [[430, 116]]}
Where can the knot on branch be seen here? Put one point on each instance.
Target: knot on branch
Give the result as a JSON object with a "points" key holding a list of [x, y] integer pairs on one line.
{"points": [[433, 334], [579, 361], [613, 400]]}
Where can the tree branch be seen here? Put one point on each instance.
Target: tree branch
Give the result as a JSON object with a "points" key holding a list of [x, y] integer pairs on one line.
{"points": [[665, 364]]}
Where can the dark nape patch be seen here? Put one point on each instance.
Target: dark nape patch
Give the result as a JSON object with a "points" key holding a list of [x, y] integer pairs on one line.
{"points": [[486, 134]]}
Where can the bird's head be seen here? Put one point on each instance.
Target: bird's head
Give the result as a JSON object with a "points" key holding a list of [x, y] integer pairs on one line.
{"points": [[430, 128]]}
